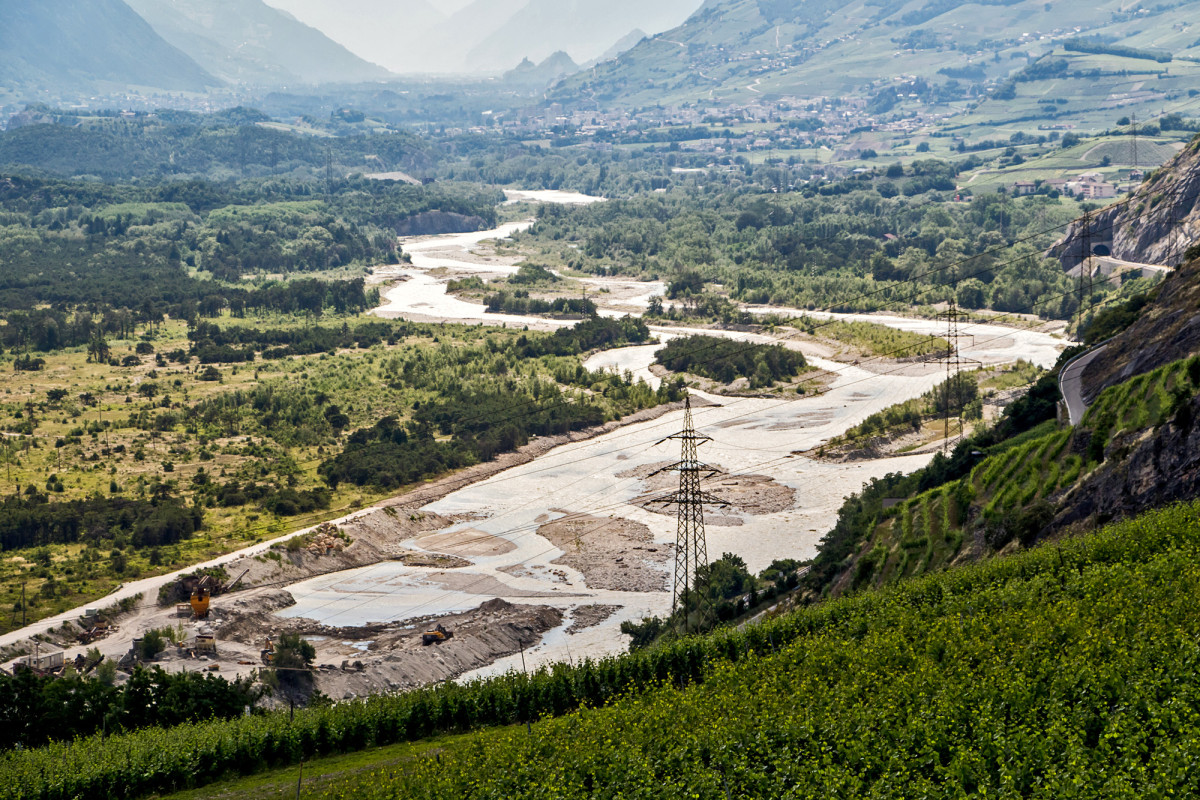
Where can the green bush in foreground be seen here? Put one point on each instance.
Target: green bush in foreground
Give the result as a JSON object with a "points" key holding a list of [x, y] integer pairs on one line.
{"points": [[1063, 671]]}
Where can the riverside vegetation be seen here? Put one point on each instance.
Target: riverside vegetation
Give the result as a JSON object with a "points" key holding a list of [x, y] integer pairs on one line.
{"points": [[185, 362], [854, 245], [233, 438]]}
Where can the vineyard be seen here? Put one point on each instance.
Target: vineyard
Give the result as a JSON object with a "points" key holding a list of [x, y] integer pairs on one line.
{"points": [[1068, 670], [1011, 493]]}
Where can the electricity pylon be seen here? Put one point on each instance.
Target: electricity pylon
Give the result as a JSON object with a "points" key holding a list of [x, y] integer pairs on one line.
{"points": [[691, 549]]}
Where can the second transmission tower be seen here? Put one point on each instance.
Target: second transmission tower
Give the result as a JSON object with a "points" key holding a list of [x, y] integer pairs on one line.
{"points": [[691, 549], [952, 400]]}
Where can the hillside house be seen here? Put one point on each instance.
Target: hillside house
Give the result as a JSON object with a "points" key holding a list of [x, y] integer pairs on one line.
{"points": [[1097, 191]]}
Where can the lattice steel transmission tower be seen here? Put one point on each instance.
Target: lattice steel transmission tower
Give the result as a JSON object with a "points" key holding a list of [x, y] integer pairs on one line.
{"points": [[691, 549], [952, 357], [952, 400]]}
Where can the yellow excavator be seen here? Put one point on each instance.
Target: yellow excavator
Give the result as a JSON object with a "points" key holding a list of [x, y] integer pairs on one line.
{"points": [[436, 635], [268, 653]]}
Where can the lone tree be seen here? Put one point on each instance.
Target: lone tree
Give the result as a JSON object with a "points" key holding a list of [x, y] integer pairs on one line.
{"points": [[292, 661]]}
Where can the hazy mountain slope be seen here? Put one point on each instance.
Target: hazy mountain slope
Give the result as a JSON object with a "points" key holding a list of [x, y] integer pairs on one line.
{"points": [[583, 28], [392, 33], [449, 42], [88, 44], [744, 50], [626, 42], [540, 75], [247, 41], [481, 35]]}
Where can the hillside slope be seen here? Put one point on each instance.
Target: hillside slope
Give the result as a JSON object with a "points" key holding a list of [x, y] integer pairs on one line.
{"points": [[247, 41], [1031, 476], [89, 45], [1065, 671], [747, 51]]}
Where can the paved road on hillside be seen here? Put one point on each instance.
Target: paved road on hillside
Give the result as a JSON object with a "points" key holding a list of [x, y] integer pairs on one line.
{"points": [[1114, 263], [1071, 385]]}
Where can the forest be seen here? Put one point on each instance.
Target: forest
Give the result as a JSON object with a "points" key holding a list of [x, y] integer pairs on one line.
{"points": [[867, 248], [185, 249]]}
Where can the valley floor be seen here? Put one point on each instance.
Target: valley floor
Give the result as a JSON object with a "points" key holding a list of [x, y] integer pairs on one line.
{"points": [[538, 558]]}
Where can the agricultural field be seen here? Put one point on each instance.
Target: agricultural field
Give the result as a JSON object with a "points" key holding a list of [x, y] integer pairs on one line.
{"points": [[934, 651]]}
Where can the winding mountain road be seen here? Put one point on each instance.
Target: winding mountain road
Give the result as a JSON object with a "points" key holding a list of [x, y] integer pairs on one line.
{"points": [[1070, 383]]}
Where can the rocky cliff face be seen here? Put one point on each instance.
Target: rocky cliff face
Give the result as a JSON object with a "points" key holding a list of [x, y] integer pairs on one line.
{"points": [[1160, 467], [1168, 330], [1156, 225]]}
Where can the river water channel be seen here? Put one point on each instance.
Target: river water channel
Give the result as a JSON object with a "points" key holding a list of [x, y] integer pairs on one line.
{"points": [[595, 477]]}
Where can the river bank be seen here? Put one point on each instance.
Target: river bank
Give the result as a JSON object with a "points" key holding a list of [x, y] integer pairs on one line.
{"points": [[560, 532]]}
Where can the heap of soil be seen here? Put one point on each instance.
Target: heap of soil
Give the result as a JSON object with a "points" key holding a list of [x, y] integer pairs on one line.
{"points": [[612, 553], [395, 659], [746, 494], [586, 617], [375, 536]]}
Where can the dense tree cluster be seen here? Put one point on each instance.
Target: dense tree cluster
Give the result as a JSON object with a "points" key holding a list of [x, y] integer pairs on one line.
{"points": [[93, 260], [211, 341], [727, 360], [519, 302], [856, 245], [176, 143], [36, 710], [32, 520]]}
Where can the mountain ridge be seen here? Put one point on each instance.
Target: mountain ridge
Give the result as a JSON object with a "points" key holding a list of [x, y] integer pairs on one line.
{"points": [[741, 52], [86, 45], [250, 42]]}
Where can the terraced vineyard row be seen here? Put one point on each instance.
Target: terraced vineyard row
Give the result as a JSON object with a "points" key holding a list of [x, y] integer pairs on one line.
{"points": [[1068, 670], [1003, 491]]}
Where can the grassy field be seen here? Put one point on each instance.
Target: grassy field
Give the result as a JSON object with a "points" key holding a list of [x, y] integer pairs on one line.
{"points": [[87, 447], [161, 428], [873, 339]]}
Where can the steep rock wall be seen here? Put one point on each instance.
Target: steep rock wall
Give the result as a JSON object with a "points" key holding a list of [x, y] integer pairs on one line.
{"points": [[1156, 225]]}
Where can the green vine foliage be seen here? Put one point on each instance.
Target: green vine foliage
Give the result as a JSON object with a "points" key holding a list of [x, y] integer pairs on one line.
{"points": [[1067, 670]]}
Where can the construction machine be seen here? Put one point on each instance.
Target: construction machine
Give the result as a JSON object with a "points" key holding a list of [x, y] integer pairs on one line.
{"points": [[200, 589], [201, 596], [436, 635], [268, 653]]}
